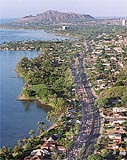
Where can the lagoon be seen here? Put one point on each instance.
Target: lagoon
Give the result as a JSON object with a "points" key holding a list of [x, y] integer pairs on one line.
{"points": [[17, 118], [7, 35]]}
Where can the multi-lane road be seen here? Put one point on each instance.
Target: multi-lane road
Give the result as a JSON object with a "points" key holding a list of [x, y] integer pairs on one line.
{"points": [[90, 127]]}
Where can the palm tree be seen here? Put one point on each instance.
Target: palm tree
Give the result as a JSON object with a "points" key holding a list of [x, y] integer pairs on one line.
{"points": [[31, 133], [24, 140], [41, 127]]}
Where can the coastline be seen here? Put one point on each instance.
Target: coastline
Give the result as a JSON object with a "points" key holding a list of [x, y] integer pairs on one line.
{"points": [[23, 98], [61, 35], [46, 106], [21, 29]]}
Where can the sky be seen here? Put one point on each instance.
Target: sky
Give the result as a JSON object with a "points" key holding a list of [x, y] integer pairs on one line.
{"points": [[96, 8]]}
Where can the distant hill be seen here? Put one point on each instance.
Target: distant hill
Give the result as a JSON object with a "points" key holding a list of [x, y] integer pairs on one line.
{"points": [[55, 17]]}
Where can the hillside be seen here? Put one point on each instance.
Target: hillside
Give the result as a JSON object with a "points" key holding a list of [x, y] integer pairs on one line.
{"points": [[55, 17]]}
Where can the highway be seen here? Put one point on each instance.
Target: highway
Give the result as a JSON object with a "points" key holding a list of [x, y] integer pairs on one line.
{"points": [[90, 127]]}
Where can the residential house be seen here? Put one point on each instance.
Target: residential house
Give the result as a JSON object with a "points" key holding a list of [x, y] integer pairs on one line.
{"points": [[122, 151], [61, 149], [117, 137], [115, 146], [120, 131], [119, 109]]}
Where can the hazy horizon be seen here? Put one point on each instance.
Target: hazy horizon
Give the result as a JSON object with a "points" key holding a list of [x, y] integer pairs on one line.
{"points": [[95, 8]]}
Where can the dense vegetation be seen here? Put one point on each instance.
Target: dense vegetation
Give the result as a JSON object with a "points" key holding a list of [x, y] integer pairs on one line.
{"points": [[48, 77]]}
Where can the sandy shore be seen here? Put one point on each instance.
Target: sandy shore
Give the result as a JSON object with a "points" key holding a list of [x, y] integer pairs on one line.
{"points": [[23, 98]]}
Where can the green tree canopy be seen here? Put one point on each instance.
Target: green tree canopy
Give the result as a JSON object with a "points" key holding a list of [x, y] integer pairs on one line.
{"points": [[95, 157]]}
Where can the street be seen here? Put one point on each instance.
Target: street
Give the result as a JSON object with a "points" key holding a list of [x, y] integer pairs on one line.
{"points": [[90, 127]]}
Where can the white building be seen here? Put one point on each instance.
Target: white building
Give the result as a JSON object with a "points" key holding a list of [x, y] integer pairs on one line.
{"points": [[124, 22], [64, 28], [119, 109]]}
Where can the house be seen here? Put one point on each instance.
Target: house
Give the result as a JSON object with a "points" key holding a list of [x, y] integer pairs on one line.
{"points": [[115, 147], [118, 49], [119, 127], [64, 28], [119, 109], [116, 137], [115, 120], [79, 122], [119, 131], [37, 154], [122, 151], [120, 121], [74, 121], [61, 148], [51, 140], [48, 144], [111, 135], [125, 139]]}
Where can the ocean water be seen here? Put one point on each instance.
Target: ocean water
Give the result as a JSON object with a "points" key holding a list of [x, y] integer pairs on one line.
{"points": [[7, 35], [17, 118], [7, 20]]}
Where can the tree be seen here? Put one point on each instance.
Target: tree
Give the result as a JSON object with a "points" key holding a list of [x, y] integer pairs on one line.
{"points": [[25, 140], [31, 133], [96, 146], [95, 157], [41, 127], [119, 157], [24, 65], [104, 152], [5, 153], [124, 99], [102, 101], [125, 124], [18, 150]]}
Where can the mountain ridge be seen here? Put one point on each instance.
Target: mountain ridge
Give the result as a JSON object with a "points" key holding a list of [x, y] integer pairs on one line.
{"points": [[55, 17]]}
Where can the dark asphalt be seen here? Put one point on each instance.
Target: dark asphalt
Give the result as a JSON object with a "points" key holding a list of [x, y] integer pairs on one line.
{"points": [[90, 127]]}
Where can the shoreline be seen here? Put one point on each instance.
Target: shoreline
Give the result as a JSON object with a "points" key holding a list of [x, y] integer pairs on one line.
{"points": [[48, 31], [22, 29], [53, 125], [22, 97]]}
